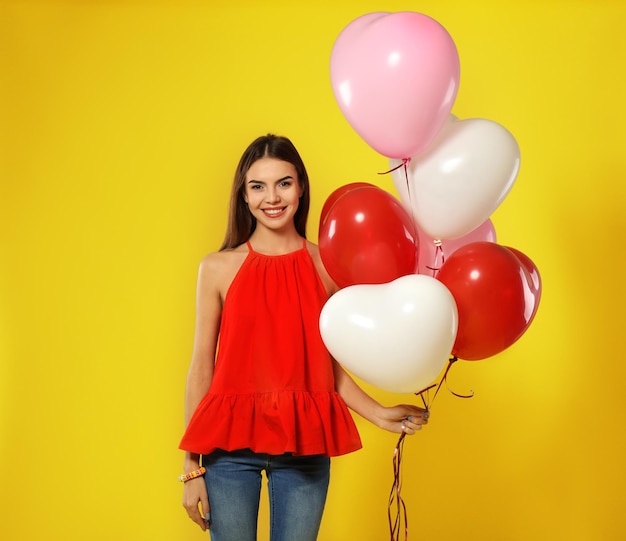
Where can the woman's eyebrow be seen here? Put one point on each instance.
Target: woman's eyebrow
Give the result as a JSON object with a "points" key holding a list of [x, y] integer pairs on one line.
{"points": [[252, 181]]}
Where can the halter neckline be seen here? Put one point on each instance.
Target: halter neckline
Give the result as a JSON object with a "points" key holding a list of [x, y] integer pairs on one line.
{"points": [[253, 251]]}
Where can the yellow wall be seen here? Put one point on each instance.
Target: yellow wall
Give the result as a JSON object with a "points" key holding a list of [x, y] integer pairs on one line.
{"points": [[121, 123]]}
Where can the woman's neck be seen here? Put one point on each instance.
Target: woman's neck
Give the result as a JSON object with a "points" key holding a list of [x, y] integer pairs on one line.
{"points": [[270, 242]]}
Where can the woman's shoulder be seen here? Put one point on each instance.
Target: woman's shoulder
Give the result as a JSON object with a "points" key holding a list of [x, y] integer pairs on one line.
{"points": [[314, 252], [312, 247], [223, 262], [225, 255]]}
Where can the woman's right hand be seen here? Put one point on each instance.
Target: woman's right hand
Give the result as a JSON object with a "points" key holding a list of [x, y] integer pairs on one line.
{"points": [[196, 502]]}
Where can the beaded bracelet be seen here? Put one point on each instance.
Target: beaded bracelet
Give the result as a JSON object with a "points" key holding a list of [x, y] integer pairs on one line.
{"points": [[184, 477]]}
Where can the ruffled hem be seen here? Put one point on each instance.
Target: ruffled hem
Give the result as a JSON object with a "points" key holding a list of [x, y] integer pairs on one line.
{"points": [[298, 422]]}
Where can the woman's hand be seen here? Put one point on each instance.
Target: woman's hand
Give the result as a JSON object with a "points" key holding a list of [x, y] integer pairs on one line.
{"points": [[196, 502], [402, 418]]}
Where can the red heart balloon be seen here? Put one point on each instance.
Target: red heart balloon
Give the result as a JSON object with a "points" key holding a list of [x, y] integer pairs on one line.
{"points": [[497, 292], [334, 196], [367, 238], [532, 270]]}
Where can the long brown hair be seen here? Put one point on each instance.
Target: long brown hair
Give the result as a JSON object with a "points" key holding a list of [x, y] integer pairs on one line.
{"points": [[241, 223]]}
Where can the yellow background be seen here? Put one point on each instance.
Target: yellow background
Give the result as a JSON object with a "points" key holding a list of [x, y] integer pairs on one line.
{"points": [[121, 123]]}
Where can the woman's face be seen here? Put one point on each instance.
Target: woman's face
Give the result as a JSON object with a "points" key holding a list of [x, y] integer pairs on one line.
{"points": [[272, 191]]}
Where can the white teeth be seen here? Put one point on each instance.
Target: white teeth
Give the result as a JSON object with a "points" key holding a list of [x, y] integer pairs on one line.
{"points": [[273, 211]]}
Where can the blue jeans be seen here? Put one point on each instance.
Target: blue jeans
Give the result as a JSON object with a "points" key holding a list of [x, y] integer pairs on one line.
{"points": [[297, 487]]}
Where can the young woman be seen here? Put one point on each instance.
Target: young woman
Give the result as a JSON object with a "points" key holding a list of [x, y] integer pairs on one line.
{"points": [[270, 397]]}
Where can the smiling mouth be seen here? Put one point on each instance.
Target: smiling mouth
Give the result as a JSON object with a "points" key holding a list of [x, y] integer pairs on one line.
{"points": [[274, 212]]}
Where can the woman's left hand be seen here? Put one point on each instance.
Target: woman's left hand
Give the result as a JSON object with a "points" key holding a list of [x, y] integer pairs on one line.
{"points": [[403, 418]]}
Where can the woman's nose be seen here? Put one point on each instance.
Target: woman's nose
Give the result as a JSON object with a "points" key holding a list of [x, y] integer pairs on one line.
{"points": [[272, 196]]}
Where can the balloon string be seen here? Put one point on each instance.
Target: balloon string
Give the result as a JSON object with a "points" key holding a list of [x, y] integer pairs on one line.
{"points": [[413, 221], [437, 386], [438, 253], [395, 524], [395, 496], [404, 163]]}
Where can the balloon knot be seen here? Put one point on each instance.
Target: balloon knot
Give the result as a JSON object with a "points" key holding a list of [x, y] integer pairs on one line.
{"points": [[405, 162]]}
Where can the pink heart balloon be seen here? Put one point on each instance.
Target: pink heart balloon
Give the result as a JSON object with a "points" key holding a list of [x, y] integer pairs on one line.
{"points": [[395, 77]]}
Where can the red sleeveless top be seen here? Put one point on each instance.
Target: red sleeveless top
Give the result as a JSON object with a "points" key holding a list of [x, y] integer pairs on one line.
{"points": [[273, 388]]}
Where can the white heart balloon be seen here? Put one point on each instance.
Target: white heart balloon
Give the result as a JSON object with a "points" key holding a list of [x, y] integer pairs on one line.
{"points": [[461, 179], [396, 336]]}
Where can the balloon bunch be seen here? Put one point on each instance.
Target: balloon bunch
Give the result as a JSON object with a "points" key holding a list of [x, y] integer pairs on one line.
{"points": [[423, 279], [422, 276]]}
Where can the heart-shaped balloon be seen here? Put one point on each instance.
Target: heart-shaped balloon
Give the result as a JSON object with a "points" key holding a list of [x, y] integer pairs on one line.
{"points": [[396, 336], [366, 236], [337, 194], [453, 187], [533, 272], [497, 292], [395, 77]]}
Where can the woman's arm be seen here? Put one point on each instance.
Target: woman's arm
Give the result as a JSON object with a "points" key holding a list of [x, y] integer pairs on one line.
{"points": [[402, 418], [208, 315], [200, 375]]}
